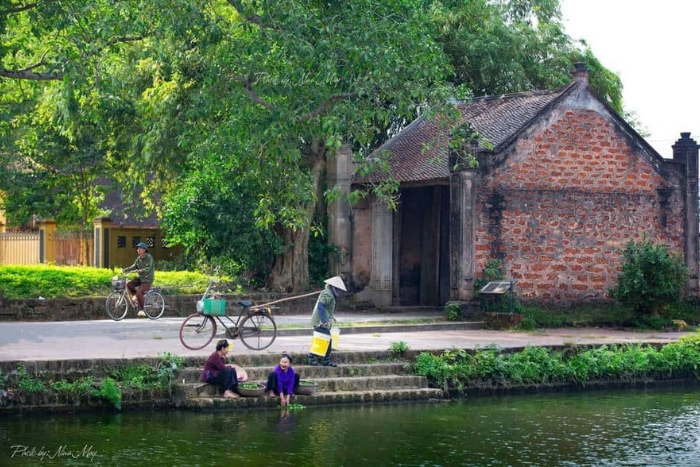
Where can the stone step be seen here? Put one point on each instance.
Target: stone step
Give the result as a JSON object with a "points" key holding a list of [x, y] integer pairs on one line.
{"points": [[348, 384], [193, 374], [384, 382], [338, 356], [325, 398]]}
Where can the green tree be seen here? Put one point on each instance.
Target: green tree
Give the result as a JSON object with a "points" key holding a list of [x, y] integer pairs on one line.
{"points": [[507, 46], [651, 277], [300, 78], [250, 97], [55, 136]]}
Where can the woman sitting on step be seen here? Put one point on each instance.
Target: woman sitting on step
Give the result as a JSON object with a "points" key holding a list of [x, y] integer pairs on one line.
{"points": [[282, 381], [216, 371]]}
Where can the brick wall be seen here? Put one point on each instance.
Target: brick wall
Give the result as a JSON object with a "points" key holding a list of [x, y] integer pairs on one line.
{"points": [[561, 206]]}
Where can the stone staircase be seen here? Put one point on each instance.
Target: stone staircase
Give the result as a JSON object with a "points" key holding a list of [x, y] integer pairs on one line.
{"points": [[361, 377]]}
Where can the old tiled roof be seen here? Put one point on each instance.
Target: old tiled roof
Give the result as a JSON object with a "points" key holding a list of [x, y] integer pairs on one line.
{"points": [[419, 152], [127, 214]]}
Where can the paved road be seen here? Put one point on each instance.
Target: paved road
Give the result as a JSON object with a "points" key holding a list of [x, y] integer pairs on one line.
{"points": [[131, 338]]}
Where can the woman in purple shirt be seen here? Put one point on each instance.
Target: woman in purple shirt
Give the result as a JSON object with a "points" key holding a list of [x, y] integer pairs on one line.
{"points": [[282, 380]]}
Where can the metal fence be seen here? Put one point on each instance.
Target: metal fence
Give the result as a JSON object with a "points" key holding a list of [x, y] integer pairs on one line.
{"points": [[19, 248]]}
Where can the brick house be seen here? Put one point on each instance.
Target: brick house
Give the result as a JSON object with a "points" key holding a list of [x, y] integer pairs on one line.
{"points": [[563, 183]]}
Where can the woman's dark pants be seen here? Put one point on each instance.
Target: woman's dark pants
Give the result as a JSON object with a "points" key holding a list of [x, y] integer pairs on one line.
{"points": [[227, 379]]}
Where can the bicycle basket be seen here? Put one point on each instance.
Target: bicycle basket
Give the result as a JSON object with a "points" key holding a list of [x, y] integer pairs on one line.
{"points": [[214, 307], [118, 284]]}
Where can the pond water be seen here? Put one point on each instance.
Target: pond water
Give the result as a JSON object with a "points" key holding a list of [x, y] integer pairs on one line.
{"points": [[621, 428]]}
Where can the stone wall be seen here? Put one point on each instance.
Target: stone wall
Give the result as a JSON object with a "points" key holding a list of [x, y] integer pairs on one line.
{"points": [[69, 309], [564, 203]]}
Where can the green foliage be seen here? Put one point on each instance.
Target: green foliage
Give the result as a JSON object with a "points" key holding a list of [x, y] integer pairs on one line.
{"points": [[606, 315], [495, 303], [249, 385], [135, 376], [491, 367], [109, 391], [68, 281], [651, 278], [142, 377], [453, 311], [80, 388], [320, 252], [28, 383], [398, 349], [293, 407], [212, 213], [221, 116], [492, 272], [145, 377], [167, 369]]}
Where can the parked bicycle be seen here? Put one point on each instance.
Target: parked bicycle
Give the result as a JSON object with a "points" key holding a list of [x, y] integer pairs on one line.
{"points": [[254, 324], [120, 301]]}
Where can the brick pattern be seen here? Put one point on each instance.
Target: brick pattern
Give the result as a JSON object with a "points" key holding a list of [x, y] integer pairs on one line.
{"points": [[562, 206]]}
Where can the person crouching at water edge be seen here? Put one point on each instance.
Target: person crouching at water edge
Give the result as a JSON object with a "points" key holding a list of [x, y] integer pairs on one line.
{"points": [[218, 372], [323, 315], [282, 381]]}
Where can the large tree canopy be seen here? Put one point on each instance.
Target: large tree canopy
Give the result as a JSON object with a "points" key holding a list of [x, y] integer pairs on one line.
{"points": [[228, 109]]}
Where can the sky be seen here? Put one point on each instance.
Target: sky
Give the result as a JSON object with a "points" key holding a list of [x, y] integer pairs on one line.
{"points": [[652, 45]]}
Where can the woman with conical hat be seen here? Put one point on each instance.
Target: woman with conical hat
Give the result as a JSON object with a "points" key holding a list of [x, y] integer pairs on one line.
{"points": [[323, 315]]}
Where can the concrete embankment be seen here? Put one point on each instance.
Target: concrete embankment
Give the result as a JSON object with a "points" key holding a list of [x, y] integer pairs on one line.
{"points": [[368, 372]]}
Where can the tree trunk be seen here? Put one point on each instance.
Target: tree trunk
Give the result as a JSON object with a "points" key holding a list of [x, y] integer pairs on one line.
{"points": [[290, 274]]}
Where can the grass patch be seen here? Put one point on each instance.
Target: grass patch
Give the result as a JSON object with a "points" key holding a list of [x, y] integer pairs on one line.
{"points": [[48, 281]]}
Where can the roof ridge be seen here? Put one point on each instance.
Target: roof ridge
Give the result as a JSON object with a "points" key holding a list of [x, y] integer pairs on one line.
{"points": [[536, 92]]}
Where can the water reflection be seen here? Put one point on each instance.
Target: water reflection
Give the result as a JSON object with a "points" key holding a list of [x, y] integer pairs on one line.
{"points": [[625, 428]]}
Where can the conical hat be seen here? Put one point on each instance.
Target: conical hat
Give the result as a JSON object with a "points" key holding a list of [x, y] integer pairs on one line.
{"points": [[336, 282]]}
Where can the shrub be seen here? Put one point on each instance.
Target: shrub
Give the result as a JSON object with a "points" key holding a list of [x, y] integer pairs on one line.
{"points": [[489, 367], [110, 392], [397, 349], [453, 312], [78, 281], [651, 278]]}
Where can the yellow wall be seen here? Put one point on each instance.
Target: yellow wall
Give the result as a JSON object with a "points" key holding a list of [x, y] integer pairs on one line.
{"points": [[122, 249]]}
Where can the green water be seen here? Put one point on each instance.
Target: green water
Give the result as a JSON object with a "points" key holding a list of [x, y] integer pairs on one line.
{"points": [[623, 428]]}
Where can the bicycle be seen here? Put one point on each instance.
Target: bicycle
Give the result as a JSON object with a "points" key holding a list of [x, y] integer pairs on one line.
{"points": [[120, 301], [254, 325]]}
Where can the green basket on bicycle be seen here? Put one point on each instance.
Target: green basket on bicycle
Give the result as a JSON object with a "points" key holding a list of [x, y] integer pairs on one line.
{"points": [[214, 307]]}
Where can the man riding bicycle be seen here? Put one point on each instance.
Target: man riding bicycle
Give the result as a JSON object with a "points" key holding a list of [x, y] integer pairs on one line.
{"points": [[145, 267]]}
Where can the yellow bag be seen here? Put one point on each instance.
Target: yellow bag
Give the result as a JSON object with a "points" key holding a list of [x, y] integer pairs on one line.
{"points": [[320, 343], [335, 336]]}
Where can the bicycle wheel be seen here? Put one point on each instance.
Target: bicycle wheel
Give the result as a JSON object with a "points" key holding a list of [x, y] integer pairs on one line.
{"points": [[116, 306], [197, 331], [154, 304], [258, 331]]}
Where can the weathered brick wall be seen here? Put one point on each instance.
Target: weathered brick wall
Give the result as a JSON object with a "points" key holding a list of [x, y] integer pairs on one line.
{"points": [[564, 202]]}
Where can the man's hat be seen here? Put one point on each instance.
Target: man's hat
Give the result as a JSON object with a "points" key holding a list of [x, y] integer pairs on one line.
{"points": [[336, 282], [142, 245]]}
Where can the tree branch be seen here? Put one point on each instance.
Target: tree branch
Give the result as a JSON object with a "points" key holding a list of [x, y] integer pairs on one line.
{"points": [[255, 19], [25, 7], [248, 86], [125, 40], [327, 105], [27, 73]]}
